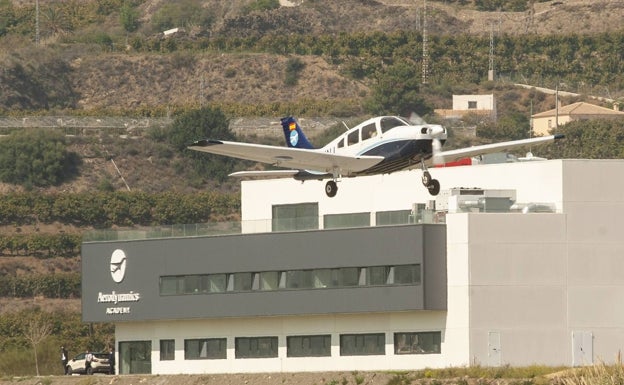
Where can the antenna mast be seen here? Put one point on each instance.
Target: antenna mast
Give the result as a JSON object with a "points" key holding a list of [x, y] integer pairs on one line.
{"points": [[425, 53], [37, 22], [491, 69]]}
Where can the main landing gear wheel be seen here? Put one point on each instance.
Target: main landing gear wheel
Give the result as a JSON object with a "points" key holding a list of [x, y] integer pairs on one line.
{"points": [[431, 184], [434, 187], [331, 188]]}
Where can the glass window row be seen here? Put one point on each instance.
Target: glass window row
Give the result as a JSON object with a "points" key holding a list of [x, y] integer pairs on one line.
{"points": [[304, 346], [291, 279]]}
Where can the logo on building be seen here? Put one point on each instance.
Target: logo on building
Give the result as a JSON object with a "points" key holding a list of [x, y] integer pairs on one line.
{"points": [[118, 265]]}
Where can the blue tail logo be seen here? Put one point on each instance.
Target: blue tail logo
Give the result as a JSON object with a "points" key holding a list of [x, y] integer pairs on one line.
{"points": [[293, 134]]}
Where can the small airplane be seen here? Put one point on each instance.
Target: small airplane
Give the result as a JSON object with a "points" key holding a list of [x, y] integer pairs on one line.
{"points": [[379, 145]]}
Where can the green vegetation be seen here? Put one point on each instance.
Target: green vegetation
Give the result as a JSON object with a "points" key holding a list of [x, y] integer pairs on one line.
{"points": [[61, 285], [203, 123], [129, 17], [122, 208], [16, 354], [36, 158], [183, 14], [293, 68], [262, 5]]}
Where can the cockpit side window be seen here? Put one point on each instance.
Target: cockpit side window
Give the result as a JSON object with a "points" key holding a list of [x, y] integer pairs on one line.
{"points": [[369, 131], [388, 123], [341, 143], [353, 138]]}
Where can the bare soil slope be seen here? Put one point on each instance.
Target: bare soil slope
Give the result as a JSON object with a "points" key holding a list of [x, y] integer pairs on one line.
{"points": [[313, 378]]}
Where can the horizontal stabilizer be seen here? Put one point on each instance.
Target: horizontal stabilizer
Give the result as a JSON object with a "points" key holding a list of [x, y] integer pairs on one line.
{"points": [[269, 174]]}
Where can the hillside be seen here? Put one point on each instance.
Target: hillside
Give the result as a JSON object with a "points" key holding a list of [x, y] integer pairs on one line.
{"points": [[100, 71], [89, 78]]}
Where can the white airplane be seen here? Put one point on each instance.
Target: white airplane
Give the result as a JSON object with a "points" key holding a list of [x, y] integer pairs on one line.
{"points": [[378, 145]]}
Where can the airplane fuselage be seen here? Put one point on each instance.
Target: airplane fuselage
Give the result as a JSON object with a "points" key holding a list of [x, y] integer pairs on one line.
{"points": [[400, 143]]}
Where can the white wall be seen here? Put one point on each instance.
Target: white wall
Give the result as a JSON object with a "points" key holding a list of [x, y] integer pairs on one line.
{"points": [[484, 102], [452, 347], [539, 181]]}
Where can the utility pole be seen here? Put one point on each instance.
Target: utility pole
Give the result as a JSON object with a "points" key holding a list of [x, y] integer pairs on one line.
{"points": [[491, 69], [37, 22], [425, 53]]}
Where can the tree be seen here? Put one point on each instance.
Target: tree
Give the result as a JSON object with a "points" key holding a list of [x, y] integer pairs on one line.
{"points": [[203, 123], [513, 126], [294, 66], [36, 158], [129, 17], [398, 91], [36, 329]]}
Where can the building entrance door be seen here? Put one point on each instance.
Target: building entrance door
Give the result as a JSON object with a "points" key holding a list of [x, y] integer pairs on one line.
{"points": [[135, 357], [494, 349]]}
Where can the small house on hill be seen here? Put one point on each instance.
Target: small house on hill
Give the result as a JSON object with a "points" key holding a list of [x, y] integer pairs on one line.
{"points": [[545, 121], [483, 105]]}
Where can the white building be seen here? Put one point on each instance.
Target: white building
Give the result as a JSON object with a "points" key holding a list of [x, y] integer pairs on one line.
{"points": [[514, 286], [481, 105]]}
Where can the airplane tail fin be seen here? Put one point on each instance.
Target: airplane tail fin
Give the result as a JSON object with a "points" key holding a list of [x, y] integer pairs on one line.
{"points": [[293, 134]]}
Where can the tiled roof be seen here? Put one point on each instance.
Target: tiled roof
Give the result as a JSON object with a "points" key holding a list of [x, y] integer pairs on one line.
{"points": [[580, 108]]}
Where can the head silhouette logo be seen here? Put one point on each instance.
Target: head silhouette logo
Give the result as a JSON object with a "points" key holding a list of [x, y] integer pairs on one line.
{"points": [[118, 265]]}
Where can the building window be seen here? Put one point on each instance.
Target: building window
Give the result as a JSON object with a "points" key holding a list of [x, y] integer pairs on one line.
{"points": [[302, 216], [269, 280], [205, 349], [406, 275], [192, 284], [342, 277], [171, 285], [336, 221], [167, 350], [135, 357], [215, 283], [362, 344], [242, 281], [377, 275], [255, 347], [299, 279], [417, 343], [398, 217], [308, 346], [472, 104]]}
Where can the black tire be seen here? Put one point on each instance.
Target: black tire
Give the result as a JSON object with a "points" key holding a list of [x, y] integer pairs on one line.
{"points": [[331, 188], [434, 187], [69, 370]]}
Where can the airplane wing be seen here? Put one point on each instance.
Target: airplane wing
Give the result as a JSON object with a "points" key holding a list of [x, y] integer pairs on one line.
{"points": [[290, 157], [453, 155]]}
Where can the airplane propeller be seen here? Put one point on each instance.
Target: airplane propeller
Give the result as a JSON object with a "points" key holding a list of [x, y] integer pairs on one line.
{"points": [[436, 144], [436, 148]]}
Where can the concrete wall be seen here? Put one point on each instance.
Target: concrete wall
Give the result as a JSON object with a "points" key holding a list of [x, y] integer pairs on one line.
{"points": [[533, 181], [388, 323]]}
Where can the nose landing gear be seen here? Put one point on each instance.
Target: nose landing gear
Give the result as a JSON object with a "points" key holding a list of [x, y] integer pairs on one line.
{"points": [[331, 188], [433, 185]]}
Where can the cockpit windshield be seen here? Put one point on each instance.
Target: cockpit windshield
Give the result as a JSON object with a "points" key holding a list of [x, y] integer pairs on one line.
{"points": [[389, 122]]}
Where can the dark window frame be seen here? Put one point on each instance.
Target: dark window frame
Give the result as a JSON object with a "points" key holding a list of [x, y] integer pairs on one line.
{"points": [[308, 346], [254, 347], [218, 354]]}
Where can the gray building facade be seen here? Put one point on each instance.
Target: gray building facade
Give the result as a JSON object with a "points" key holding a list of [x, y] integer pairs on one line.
{"points": [[270, 274]]}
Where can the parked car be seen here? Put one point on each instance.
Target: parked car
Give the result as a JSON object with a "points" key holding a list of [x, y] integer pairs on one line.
{"points": [[77, 364]]}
